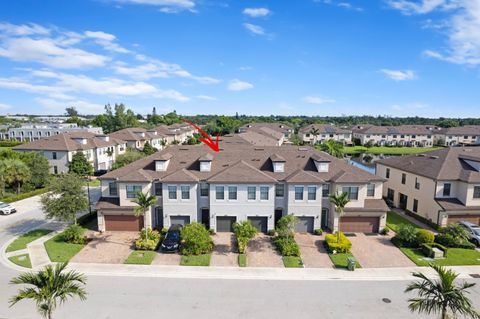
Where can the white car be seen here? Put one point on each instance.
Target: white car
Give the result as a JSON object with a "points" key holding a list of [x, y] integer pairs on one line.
{"points": [[6, 209]]}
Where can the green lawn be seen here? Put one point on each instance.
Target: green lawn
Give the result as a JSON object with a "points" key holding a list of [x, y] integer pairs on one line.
{"points": [[21, 260], [455, 257], [22, 241], [141, 257], [394, 220], [292, 262], [60, 251], [339, 260], [94, 183], [242, 260], [388, 150], [200, 260]]}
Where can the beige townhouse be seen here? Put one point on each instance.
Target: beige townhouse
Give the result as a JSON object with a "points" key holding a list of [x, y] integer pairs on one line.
{"points": [[242, 182], [100, 150], [462, 135], [402, 135], [267, 129], [136, 137], [320, 133], [442, 186]]}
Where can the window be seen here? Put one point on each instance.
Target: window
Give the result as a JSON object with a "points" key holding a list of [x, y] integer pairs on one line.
{"points": [[132, 190], [112, 189], [390, 194], [158, 189], [172, 192], [387, 173], [279, 190], [298, 193], [417, 184], [446, 189], [415, 205], [325, 190], [263, 192], [371, 190], [252, 192], [404, 178], [476, 192], [204, 189], [54, 155], [232, 192], [185, 192], [312, 193], [352, 192], [219, 192]]}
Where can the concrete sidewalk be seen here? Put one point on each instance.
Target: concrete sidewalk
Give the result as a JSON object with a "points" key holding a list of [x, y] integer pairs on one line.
{"points": [[257, 273]]}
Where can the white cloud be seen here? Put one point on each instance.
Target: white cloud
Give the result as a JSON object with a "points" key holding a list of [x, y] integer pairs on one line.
{"points": [[415, 106], [166, 6], [418, 7], [84, 106], [399, 75], [4, 106], [237, 85], [344, 5], [22, 30], [206, 97], [311, 99], [256, 12], [106, 40], [254, 29]]}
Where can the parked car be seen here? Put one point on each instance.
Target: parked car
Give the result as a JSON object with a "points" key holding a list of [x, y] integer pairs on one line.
{"points": [[171, 242], [7, 209], [473, 231]]}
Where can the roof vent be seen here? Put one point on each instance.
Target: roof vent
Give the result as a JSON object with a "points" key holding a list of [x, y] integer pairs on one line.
{"points": [[259, 149]]}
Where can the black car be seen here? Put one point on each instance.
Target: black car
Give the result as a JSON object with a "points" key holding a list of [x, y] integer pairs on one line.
{"points": [[171, 242]]}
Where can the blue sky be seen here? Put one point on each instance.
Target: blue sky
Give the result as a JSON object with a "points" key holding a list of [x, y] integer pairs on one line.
{"points": [[309, 57]]}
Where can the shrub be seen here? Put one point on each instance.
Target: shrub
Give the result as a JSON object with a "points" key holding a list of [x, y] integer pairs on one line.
{"points": [[163, 231], [14, 198], [151, 234], [146, 244], [384, 231], [74, 234], [244, 231], [211, 231], [343, 245], [242, 260], [196, 239], [287, 246], [271, 232], [427, 249], [318, 232], [449, 241], [425, 237], [407, 234]]}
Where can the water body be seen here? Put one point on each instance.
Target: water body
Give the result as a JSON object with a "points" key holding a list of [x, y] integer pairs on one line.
{"points": [[367, 161]]}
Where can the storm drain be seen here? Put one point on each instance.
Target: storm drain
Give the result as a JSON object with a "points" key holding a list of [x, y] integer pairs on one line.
{"points": [[386, 300]]}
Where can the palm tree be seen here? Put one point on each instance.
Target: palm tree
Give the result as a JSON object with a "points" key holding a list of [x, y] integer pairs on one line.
{"points": [[441, 296], [3, 173], [333, 148], [51, 286], [315, 132], [340, 200], [144, 202], [17, 172]]}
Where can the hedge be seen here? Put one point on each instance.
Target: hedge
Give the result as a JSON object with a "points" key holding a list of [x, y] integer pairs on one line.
{"points": [[18, 197], [342, 246], [427, 249], [287, 246], [9, 143]]}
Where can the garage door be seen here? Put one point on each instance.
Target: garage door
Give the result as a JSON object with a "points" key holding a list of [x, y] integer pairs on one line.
{"points": [[123, 223], [359, 224], [304, 225], [260, 223], [225, 223], [452, 219], [179, 220]]}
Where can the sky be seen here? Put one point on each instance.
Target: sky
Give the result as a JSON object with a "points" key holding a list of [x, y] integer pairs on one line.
{"points": [[259, 57]]}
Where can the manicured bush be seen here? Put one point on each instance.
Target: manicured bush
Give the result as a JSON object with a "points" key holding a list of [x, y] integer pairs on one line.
{"points": [[74, 234], [242, 260], [318, 232], [244, 231], [18, 197], [151, 234], [9, 143], [427, 249], [146, 244], [342, 246], [425, 237], [384, 231], [287, 246], [407, 235], [455, 236], [196, 239]]}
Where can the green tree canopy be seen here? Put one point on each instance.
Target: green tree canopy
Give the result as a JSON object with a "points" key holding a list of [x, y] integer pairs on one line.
{"points": [[17, 173], [80, 165], [128, 157], [148, 149], [39, 169]]}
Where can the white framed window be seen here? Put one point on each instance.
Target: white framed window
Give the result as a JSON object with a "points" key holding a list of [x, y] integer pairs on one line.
{"points": [[112, 189], [172, 192], [232, 192], [185, 190], [312, 193], [219, 192], [298, 192], [132, 190], [352, 192], [263, 192], [251, 192], [204, 188], [371, 190], [279, 190], [325, 190]]}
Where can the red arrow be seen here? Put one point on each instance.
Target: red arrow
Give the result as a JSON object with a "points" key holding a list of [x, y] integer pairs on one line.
{"points": [[206, 139]]}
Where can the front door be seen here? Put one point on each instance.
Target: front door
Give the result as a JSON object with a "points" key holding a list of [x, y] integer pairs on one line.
{"points": [[206, 217], [324, 218], [159, 217], [402, 202], [278, 215]]}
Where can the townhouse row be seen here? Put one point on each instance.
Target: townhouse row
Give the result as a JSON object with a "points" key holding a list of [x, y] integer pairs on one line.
{"points": [[35, 131]]}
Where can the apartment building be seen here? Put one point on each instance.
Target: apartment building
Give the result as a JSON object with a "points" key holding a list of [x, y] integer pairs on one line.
{"points": [[32, 132], [320, 133], [242, 182], [403, 135], [181, 131], [100, 150], [442, 186], [267, 128], [136, 137], [462, 135]]}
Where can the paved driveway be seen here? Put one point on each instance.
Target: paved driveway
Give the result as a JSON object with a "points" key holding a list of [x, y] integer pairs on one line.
{"points": [[107, 248], [224, 252], [262, 253], [378, 252], [313, 252]]}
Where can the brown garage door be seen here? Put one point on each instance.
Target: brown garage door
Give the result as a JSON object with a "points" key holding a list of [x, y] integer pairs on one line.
{"points": [[452, 219], [123, 223], [359, 224]]}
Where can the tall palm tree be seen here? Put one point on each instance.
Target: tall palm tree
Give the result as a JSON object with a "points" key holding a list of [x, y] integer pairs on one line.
{"points": [[144, 202], [315, 132], [441, 296], [3, 173], [17, 172], [51, 286], [340, 200], [333, 148]]}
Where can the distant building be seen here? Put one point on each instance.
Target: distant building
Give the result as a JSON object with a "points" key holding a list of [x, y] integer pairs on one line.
{"points": [[32, 132], [462, 135], [320, 133], [266, 134], [402, 135]]}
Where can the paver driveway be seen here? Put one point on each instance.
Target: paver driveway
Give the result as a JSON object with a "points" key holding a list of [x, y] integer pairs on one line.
{"points": [[262, 253], [378, 252], [224, 252], [107, 248], [312, 250]]}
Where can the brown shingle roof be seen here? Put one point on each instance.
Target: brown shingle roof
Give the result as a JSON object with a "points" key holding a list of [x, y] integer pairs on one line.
{"points": [[111, 203], [453, 204], [324, 129]]}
